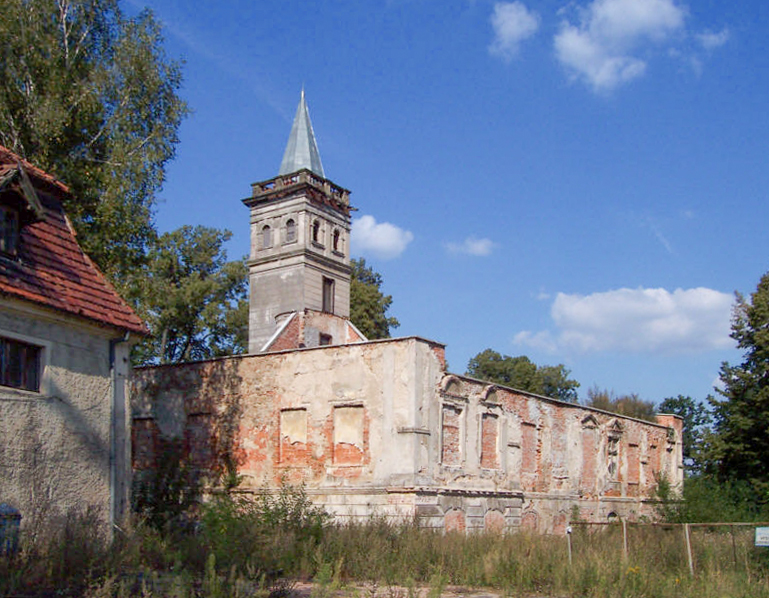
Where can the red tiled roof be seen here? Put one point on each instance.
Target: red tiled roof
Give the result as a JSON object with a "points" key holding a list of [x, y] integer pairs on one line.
{"points": [[52, 270]]}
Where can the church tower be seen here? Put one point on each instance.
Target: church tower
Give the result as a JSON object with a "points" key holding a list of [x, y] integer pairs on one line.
{"points": [[299, 266]]}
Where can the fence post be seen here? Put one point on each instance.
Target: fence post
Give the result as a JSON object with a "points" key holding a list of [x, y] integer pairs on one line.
{"points": [[734, 546], [624, 539], [689, 549], [568, 537]]}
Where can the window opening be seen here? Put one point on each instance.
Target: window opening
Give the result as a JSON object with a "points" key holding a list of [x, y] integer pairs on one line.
{"points": [[336, 240], [19, 365], [328, 295], [451, 436], [290, 231], [266, 237], [316, 231], [325, 339]]}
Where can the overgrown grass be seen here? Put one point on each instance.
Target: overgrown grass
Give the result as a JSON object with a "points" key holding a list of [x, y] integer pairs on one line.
{"points": [[256, 547]]}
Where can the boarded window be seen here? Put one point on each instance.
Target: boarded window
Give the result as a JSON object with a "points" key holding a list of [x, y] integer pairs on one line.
{"points": [[144, 436], [489, 441], [348, 435], [20, 364], [293, 436], [200, 440], [451, 436], [528, 448]]}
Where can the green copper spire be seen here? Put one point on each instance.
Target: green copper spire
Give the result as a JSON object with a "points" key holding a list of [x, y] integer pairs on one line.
{"points": [[301, 149]]}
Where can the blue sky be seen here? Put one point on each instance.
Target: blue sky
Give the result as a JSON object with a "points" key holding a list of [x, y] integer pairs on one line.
{"points": [[581, 182]]}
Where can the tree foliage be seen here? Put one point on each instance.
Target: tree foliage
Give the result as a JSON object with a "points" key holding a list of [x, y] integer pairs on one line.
{"points": [[630, 405], [696, 419], [194, 301], [89, 96], [738, 450], [521, 373], [368, 305]]}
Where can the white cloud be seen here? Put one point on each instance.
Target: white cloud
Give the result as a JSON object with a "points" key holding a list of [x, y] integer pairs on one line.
{"points": [[472, 246], [637, 321], [512, 23], [382, 240], [602, 48], [711, 41]]}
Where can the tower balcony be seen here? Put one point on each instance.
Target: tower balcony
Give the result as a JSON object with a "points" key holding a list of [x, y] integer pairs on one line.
{"points": [[318, 188]]}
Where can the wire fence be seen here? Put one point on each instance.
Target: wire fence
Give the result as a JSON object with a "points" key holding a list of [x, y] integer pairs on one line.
{"points": [[696, 546]]}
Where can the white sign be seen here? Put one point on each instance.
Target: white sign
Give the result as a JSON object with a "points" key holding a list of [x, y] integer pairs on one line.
{"points": [[762, 536]]}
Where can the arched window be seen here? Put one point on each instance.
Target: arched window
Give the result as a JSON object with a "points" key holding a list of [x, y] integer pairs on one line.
{"points": [[316, 231], [336, 240], [266, 237], [290, 231]]}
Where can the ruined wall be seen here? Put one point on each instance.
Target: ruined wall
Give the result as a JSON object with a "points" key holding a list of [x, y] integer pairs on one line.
{"points": [[379, 427], [567, 460], [55, 444]]}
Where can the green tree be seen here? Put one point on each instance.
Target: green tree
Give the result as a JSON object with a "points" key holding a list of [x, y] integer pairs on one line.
{"points": [[738, 450], [368, 305], [521, 373], [194, 301], [90, 96], [697, 420], [630, 405]]}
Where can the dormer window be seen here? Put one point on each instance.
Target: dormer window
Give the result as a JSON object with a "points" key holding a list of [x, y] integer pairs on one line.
{"points": [[9, 230]]}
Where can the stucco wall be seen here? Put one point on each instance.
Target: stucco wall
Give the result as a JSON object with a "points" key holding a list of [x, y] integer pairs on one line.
{"points": [[381, 427], [55, 445]]}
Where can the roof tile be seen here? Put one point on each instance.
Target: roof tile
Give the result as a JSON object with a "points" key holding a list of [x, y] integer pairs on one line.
{"points": [[52, 270]]}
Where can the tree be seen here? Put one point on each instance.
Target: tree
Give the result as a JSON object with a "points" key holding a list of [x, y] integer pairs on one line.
{"points": [[194, 301], [519, 372], [368, 305], [630, 405], [696, 419], [738, 449], [89, 96]]}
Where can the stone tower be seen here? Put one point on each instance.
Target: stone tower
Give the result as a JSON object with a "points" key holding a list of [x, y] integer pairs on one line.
{"points": [[299, 267]]}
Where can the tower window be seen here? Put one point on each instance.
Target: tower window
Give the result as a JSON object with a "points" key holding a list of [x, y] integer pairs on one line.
{"points": [[19, 364], [266, 237], [316, 231], [328, 295], [9, 230], [336, 240], [290, 231]]}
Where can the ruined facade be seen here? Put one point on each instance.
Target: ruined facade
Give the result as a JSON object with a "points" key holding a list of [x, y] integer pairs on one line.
{"points": [[380, 427], [65, 336]]}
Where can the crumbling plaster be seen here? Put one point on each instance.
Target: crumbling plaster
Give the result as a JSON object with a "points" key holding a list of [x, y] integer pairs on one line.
{"points": [[380, 427]]}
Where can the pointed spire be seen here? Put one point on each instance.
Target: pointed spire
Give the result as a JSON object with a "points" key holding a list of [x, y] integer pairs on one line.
{"points": [[301, 149]]}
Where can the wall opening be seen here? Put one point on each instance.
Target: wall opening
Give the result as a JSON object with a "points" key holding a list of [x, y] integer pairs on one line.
{"points": [[451, 436], [328, 295]]}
